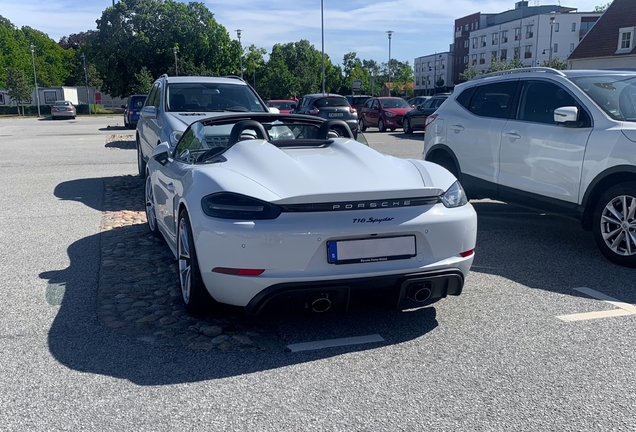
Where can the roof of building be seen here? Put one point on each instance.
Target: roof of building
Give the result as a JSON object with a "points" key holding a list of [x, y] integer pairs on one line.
{"points": [[602, 39]]}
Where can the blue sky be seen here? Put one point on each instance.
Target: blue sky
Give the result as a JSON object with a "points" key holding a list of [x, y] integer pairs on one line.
{"points": [[421, 27]]}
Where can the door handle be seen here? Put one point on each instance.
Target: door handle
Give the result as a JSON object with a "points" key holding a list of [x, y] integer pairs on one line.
{"points": [[457, 128], [170, 187], [512, 135]]}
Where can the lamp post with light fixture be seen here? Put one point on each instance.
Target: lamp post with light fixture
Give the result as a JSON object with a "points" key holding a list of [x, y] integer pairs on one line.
{"points": [[552, 19], [175, 49], [88, 99], [238, 35], [35, 78], [390, 33], [322, 28]]}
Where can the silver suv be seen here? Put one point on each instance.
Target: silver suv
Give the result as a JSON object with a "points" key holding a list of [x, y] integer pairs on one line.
{"points": [[174, 103], [559, 141]]}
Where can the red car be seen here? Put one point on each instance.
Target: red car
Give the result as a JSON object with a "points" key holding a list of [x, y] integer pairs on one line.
{"points": [[383, 113], [284, 106]]}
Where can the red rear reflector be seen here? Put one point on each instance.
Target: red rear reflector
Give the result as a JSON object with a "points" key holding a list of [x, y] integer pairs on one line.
{"points": [[467, 253], [430, 119], [238, 272], [314, 111]]}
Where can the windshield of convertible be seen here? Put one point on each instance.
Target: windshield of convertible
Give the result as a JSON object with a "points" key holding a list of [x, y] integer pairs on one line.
{"points": [[205, 142], [615, 94], [212, 97]]}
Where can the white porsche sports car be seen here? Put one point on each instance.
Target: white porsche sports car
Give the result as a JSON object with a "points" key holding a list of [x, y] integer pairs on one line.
{"points": [[274, 210]]}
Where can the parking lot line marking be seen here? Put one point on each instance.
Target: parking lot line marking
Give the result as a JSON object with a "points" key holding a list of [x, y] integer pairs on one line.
{"points": [[624, 309], [330, 343]]}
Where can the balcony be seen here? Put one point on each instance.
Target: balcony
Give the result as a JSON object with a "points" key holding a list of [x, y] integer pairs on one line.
{"points": [[495, 41], [504, 40], [527, 55], [529, 35], [483, 44]]}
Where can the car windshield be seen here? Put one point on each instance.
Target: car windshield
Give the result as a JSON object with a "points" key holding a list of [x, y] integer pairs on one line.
{"points": [[138, 102], [614, 94], [62, 103], [206, 97], [360, 100], [331, 102], [394, 103]]}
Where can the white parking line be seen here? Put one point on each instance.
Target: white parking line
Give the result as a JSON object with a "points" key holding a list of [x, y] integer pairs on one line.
{"points": [[329, 343], [624, 309]]}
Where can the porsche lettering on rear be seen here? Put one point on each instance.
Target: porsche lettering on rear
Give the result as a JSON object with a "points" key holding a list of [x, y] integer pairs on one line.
{"points": [[368, 205], [372, 220]]}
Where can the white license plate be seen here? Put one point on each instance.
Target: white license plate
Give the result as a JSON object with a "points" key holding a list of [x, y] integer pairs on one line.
{"points": [[336, 114], [370, 250]]}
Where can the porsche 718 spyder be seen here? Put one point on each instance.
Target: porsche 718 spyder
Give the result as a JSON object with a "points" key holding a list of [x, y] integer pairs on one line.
{"points": [[290, 211]]}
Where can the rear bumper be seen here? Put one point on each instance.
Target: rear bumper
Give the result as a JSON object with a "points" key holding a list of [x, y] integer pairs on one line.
{"points": [[393, 288]]}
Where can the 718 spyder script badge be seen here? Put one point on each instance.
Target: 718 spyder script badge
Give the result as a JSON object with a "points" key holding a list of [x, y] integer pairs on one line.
{"points": [[372, 220]]}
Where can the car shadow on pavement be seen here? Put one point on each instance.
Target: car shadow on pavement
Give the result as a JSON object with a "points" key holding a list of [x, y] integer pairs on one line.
{"points": [[120, 312], [545, 251], [122, 144]]}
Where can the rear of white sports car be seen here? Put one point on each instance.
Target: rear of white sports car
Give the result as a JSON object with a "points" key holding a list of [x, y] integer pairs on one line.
{"points": [[312, 227]]}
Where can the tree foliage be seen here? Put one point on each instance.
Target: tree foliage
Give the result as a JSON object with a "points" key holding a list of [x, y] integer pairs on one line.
{"points": [[555, 63], [142, 33], [603, 7], [18, 87]]}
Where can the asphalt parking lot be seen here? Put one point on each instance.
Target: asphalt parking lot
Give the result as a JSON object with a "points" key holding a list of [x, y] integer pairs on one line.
{"points": [[93, 336]]}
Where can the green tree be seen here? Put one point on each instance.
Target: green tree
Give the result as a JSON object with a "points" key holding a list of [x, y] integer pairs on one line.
{"points": [[14, 50], [469, 73], [254, 65], [602, 8], [142, 33], [555, 63], [18, 87], [51, 60]]}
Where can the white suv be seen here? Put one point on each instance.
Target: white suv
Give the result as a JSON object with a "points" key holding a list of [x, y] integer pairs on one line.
{"points": [[173, 103], [559, 141]]}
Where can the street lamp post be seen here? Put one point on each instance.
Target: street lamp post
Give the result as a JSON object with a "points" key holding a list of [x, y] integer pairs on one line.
{"points": [[35, 78], [88, 99], [390, 33], [322, 29], [175, 50], [552, 18], [238, 35]]}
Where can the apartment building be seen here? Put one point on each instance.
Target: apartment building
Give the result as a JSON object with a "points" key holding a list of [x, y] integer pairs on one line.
{"points": [[428, 70]]}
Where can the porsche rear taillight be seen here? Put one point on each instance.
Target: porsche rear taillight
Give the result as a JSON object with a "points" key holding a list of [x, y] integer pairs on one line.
{"points": [[228, 205], [430, 119]]}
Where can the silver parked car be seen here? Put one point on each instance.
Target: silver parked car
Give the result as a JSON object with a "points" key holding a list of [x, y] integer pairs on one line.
{"points": [[63, 109]]}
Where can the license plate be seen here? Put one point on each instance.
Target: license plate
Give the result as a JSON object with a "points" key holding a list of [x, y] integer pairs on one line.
{"points": [[370, 250], [336, 114]]}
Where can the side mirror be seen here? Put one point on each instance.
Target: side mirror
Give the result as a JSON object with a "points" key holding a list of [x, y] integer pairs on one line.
{"points": [[567, 115], [161, 153], [149, 112], [274, 110]]}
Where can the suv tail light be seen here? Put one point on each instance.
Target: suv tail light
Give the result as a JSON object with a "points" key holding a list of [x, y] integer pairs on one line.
{"points": [[430, 119], [352, 110], [314, 111]]}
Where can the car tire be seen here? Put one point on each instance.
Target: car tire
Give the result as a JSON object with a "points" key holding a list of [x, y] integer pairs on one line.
{"points": [[151, 213], [406, 125], [195, 296], [381, 127], [362, 126], [141, 163], [614, 224]]}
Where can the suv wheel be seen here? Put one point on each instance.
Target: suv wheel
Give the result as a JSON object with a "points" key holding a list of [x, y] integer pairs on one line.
{"points": [[141, 163], [381, 127], [614, 224]]}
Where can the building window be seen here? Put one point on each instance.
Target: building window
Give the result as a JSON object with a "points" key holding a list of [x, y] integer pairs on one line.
{"points": [[516, 53], [482, 58], [572, 47], [482, 40], [556, 27], [465, 59], [504, 36], [503, 55], [495, 41], [529, 31], [493, 56], [573, 26], [517, 33], [556, 48], [466, 43], [474, 42], [473, 59], [465, 27], [625, 40], [528, 52]]}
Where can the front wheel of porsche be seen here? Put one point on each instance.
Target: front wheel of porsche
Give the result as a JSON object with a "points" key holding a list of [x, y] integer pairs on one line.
{"points": [[614, 224], [195, 296]]}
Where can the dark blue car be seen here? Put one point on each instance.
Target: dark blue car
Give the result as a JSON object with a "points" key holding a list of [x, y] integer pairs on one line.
{"points": [[132, 109]]}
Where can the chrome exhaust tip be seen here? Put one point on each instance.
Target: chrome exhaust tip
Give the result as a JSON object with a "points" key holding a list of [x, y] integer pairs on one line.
{"points": [[320, 305], [419, 293]]}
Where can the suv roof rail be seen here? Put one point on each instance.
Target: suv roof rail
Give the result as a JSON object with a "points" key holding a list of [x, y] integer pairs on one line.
{"points": [[235, 77], [521, 70]]}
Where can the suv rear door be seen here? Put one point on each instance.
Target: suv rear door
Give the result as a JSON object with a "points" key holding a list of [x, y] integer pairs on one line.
{"points": [[537, 155]]}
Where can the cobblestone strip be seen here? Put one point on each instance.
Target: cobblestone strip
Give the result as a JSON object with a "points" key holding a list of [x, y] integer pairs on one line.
{"points": [[139, 294]]}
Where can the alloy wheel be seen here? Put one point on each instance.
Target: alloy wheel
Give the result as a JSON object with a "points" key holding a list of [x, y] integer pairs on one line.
{"points": [[618, 225], [185, 261], [151, 216]]}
